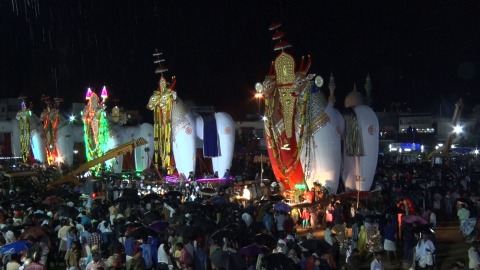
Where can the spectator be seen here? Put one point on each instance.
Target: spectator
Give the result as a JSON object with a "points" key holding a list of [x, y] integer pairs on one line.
{"points": [[14, 263], [164, 260], [35, 264], [389, 244], [97, 262], [328, 234], [147, 253], [424, 252], [473, 256], [71, 257], [377, 262], [137, 262]]}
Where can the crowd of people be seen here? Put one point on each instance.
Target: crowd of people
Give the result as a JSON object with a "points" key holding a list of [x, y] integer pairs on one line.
{"points": [[196, 226]]}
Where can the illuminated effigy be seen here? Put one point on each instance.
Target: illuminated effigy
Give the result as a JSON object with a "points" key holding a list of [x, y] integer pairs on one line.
{"points": [[304, 131], [50, 118], [176, 130], [95, 124], [23, 117]]}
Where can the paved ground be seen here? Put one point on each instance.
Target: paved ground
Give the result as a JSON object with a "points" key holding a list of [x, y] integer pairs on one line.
{"points": [[450, 246]]}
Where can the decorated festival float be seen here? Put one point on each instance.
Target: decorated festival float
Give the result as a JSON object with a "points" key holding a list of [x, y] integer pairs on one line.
{"points": [[305, 133], [178, 133]]}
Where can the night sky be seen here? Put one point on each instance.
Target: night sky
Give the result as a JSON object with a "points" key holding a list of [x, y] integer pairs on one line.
{"points": [[419, 53]]}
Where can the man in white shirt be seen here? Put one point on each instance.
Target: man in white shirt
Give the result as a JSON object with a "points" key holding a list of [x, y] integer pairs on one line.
{"points": [[424, 250], [377, 262]]}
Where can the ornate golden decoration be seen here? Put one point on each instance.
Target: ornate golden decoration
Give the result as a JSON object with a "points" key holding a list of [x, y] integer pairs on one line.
{"points": [[285, 70], [23, 117]]}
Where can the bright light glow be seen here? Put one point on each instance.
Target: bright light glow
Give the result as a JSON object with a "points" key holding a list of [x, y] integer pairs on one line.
{"points": [[71, 118], [59, 159], [264, 118], [422, 148], [75, 151], [458, 129], [89, 94], [407, 149], [246, 193], [258, 95], [476, 151], [400, 150], [436, 147], [390, 146], [104, 93]]}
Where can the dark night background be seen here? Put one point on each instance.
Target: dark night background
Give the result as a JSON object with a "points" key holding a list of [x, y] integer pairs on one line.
{"points": [[419, 53]]}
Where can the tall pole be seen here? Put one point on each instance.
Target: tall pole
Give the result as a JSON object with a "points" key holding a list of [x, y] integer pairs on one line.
{"points": [[259, 112], [258, 96]]}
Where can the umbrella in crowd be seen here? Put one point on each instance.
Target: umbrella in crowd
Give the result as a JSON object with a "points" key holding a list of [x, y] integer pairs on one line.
{"points": [[191, 207], [234, 227], [278, 261], [218, 200], [208, 192], [23, 203], [174, 193], [17, 230], [227, 260], [191, 232], [151, 197], [133, 225], [151, 216], [67, 211], [141, 232], [15, 247], [373, 218], [52, 200], [282, 207], [39, 216], [316, 245], [253, 250], [265, 239], [62, 194], [413, 219], [223, 233], [34, 232], [207, 225], [159, 225]]}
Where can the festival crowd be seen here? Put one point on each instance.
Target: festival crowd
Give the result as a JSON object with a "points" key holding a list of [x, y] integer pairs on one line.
{"points": [[238, 226]]}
